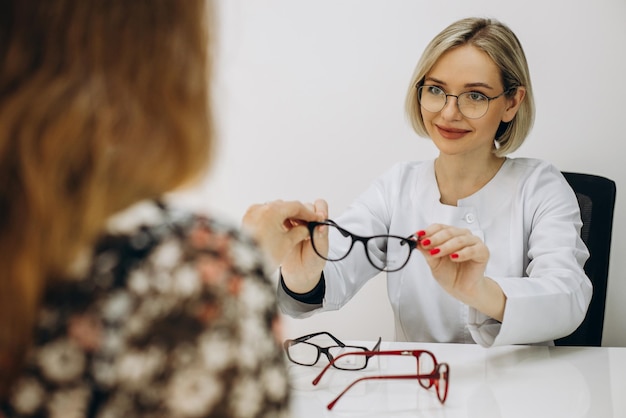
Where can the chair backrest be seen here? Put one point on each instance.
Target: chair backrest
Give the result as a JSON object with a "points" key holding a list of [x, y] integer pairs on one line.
{"points": [[596, 198]]}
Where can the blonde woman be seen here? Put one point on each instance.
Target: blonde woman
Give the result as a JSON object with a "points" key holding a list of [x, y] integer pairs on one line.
{"points": [[500, 258]]}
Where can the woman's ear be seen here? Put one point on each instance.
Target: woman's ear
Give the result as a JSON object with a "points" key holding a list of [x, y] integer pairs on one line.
{"points": [[513, 104]]}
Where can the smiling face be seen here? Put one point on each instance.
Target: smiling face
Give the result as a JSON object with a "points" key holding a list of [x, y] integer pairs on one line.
{"points": [[460, 70]]}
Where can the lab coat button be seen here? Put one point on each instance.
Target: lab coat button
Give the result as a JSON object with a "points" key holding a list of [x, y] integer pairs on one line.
{"points": [[470, 218]]}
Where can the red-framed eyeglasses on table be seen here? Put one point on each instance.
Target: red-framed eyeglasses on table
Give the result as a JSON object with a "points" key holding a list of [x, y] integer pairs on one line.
{"points": [[429, 374]]}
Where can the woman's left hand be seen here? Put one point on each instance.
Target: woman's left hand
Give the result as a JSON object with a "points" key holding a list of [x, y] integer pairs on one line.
{"points": [[458, 259]]}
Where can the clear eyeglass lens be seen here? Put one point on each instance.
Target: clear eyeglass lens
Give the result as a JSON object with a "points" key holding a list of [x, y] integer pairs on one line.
{"points": [[425, 365], [442, 382], [356, 362], [388, 253], [341, 243], [376, 248], [303, 353], [431, 98], [473, 105]]}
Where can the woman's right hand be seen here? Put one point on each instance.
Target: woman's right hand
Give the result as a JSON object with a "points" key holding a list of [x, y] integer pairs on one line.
{"points": [[281, 230], [302, 267]]}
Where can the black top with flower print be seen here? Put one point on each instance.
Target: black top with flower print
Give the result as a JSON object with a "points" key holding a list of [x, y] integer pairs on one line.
{"points": [[175, 318]]}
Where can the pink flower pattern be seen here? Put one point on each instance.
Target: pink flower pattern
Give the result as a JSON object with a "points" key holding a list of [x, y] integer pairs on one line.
{"points": [[156, 328]]}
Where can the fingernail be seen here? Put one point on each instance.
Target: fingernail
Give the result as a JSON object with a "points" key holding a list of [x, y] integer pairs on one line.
{"points": [[421, 233], [426, 242], [434, 251], [454, 255]]}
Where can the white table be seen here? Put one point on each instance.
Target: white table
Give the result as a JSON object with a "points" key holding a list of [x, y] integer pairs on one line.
{"points": [[511, 381]]}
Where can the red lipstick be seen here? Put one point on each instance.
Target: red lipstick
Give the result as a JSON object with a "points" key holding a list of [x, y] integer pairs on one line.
{"points": [[451, 133]]}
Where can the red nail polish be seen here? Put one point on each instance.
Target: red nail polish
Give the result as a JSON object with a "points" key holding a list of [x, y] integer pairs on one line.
{"points": [[454, 255], [434, 251], [426, 242], [421, 233]]}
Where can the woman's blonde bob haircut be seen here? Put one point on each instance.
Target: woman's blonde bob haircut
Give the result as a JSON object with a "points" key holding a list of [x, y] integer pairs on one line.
{"points": [[501, 44]]}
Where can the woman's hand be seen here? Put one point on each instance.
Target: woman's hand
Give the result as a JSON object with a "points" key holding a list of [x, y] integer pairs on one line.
{"points": [[281, 230], [302, 267], [458, 259]]}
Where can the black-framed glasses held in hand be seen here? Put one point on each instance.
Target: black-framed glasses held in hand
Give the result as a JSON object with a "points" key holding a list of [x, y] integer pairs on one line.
{"points": [[429, 373], [305, 353], [387, 253]]}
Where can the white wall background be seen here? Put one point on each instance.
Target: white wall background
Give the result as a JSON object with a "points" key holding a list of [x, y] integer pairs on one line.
{"points": [[310, 104]]}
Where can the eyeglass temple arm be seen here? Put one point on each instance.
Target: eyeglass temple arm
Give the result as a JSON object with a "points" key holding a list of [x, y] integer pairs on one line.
{"points": [[414, 353], [330, 222], [395, 377], [312, 224], [307, 337], [376, 347]]}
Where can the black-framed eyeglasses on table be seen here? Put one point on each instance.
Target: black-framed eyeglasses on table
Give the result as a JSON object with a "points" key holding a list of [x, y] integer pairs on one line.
{"points": [[429, 373], [393, 251], [306, 353]]}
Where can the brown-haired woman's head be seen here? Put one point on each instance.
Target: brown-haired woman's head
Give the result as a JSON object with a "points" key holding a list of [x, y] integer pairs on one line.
{"points": [[102, 103], [503, 47]]}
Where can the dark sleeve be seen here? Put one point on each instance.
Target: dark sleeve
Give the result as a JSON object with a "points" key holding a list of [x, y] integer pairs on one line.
{"points": [[313, 297]]}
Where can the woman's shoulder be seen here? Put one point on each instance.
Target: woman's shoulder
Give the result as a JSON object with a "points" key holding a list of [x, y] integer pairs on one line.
{"points": [[405, 171], [412, 166], [144, 229], [537, 178], [165, 288], [178, 252], [531, 165], [156, 254], [399, 179]]}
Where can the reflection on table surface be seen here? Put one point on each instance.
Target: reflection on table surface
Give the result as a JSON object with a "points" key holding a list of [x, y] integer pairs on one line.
{"points": [[510, 381]]}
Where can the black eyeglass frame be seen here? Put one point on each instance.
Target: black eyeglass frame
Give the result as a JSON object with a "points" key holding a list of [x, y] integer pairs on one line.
{"points": [[419, 88], [326, 350], [411, 241]]}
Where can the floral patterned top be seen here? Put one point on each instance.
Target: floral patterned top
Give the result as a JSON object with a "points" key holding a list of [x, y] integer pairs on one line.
{"points": [[175, 318]]}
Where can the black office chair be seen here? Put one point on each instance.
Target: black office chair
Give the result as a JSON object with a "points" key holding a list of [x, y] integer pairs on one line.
{"points": [[596, 198]]}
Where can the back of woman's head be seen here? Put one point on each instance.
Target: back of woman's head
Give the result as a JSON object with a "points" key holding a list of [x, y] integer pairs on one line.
{"points": [[102, 103], [504, 48]]}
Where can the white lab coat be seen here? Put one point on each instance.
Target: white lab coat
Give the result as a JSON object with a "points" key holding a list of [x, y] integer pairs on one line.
{"points": [[528, 217]]}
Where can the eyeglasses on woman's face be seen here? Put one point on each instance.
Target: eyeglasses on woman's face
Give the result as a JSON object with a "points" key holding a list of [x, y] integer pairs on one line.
{"points": [[387, 253], [429, 373], [306, 353], [471, 104]]}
